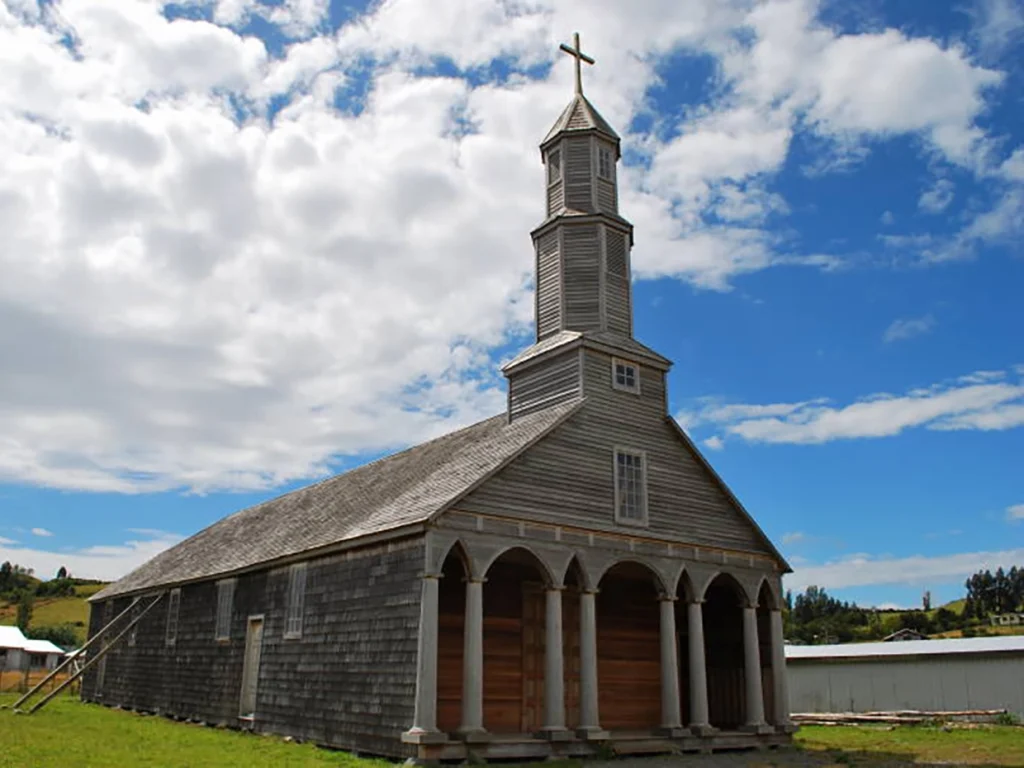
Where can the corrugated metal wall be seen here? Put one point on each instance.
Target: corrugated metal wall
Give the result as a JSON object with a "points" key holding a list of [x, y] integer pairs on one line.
{"points": [[927, 683]]}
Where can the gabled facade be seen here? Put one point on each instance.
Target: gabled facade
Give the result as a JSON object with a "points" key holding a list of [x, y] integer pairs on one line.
{"points": [[566, 576]]}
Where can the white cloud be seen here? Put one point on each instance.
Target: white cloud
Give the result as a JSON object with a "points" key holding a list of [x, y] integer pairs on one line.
{"points": [[4, 541], [714, 443], [998, 24], [985, 400], [936, 198], [106, 562], [865, 570], [907, 328], [196, 295], [887, 218], [41, 532], [1015, 512], [794, 537]]}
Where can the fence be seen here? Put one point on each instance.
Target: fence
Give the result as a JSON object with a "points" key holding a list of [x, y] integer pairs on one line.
{"points": [[18, 681]]}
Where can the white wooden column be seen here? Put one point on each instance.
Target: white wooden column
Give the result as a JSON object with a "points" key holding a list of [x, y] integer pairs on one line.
{"points": [[424, 727], [779, 680], [670, 718], [752, 670], [700, 722], [554, 672], [473, 661], [590, 726]]}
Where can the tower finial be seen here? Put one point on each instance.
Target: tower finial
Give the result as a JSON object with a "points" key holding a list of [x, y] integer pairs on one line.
{"points": [[579, 55]]}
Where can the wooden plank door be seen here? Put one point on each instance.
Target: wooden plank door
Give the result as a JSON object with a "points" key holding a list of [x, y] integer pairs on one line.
{"points": [[533, 658], [251, 667]]}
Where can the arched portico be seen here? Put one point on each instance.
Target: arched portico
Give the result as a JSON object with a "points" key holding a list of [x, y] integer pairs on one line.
{"points": [[724, 601]]}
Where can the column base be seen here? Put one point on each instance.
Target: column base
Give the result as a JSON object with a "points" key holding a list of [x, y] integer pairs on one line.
{"points": [[592, 733], [761, 729], [787, 727], [420, 736], [672, 731], [555, 733], [703, 730], [473, 735]]}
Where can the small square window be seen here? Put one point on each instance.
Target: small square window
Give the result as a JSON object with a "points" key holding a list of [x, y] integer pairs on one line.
{"points": [[625, 376], [173, 605], [604, 162], [630, 487], [554, 166]]}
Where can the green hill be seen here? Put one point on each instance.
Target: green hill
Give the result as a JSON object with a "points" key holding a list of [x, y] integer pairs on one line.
{"points": [[72, 611]]}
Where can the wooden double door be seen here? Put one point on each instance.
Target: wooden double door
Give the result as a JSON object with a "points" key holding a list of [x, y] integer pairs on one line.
{"points": [[513, 650]]}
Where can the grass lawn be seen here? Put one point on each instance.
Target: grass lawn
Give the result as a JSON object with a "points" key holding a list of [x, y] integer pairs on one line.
{"points": [[926, 745], [69, 733]]}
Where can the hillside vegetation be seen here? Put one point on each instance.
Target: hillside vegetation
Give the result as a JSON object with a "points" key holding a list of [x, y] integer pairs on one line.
{"points": [[55, 610]]}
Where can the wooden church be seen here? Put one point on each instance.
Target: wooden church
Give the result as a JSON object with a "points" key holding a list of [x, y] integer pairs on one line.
{"points": [[565, 577]]}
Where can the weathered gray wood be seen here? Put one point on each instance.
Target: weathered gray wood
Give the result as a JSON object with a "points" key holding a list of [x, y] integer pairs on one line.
{"points": [[579, 177], [549, 286], [542, 386], [582, 277]]}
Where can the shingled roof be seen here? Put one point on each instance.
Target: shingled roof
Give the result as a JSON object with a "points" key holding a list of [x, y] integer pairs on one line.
{"points": [[580, 115], [398, 490]]}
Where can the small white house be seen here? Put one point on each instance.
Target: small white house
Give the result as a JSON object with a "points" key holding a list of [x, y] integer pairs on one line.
{"points": [[18, 653], [950, 674], [1007, 620]]}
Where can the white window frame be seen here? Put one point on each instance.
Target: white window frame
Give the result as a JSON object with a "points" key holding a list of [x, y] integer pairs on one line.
{"points": [[557, 177], [605, 154], [642, 455], [616, 362], [173, 611], [133, 635], [296, 601], [225, 609]]}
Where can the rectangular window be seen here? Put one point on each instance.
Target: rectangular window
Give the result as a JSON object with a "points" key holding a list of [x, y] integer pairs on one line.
{"points": [[225, 604], [554, 166], [630, 487], [604, 163], [134, 634], [625, 376], [296, 600], [173, 604]]}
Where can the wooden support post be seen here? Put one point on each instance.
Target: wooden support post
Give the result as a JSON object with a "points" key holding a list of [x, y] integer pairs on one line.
{"points": [[43, 702], [71, 659]]}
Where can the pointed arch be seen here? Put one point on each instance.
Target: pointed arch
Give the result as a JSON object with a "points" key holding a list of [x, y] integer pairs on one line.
{"points": [[722, 580], [685, 588], [457, 549], [576, 571], [767, 595], [627, 561]]}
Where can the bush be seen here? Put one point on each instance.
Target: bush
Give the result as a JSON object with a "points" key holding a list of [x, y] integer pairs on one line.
{"points": [[63, 635]]}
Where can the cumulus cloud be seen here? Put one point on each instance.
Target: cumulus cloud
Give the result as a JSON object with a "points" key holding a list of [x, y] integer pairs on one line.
{"points": [[1015, 512], [936, 198], [865, 570], [107, 562], [41, 532], [230, 262], [907, 328], [714, 443], [986, 400]]}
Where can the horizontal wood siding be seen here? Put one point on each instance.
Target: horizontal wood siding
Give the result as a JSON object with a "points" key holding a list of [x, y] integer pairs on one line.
{"points": [[567, 477], [578, 176], [582, 257], [606, 197], [556, 381], [549, 286], [617, 303], [556, 197], [349, 681]]}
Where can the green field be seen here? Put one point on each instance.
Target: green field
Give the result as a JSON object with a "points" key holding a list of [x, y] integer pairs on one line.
{"points": [[54, 611], [69, 733]]}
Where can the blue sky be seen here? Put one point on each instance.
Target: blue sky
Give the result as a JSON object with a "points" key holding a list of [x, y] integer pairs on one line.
{"points": [[252, 243]]}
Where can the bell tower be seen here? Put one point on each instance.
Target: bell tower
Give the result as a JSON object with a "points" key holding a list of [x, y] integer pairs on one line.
{"points": [[584, 299], [582, 247]]}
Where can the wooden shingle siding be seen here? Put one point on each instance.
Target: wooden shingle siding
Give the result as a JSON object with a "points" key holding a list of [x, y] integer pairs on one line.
{"points": [[582, 277], [578, 176], [542, 386], [549, 286], [349, 681], [567, 477]]}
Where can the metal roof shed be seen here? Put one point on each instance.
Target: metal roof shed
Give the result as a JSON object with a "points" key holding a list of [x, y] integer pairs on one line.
{"points": [[951, 674]]}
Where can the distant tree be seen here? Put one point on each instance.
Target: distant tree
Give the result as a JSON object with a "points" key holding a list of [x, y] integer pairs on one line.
{"points": [[945, 619], [917, 621], [24, 611], [62, 572], [64, 635]]}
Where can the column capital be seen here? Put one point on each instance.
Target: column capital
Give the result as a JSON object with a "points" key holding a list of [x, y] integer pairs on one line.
{"points": [[695, 601], [663, 598], [595, 591], [554, 587], [474, 580]]}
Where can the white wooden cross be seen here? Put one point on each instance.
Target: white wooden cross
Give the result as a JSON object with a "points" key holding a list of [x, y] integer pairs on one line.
{"points": [[579, 55]]}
